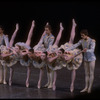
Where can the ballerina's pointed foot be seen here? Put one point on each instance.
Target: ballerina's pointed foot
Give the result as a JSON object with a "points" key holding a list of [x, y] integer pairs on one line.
{"points": [[10, 83], [4, 82], [84, 90], [46, 85], [27, 84], [89, 91], [71, 88], [50, 86], [38, 86], [54, 87]]}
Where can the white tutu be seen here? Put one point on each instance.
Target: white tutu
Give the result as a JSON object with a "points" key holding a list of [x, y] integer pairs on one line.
{"points": [[52, 48], [39, 48], [56, 65], [39, 65], [7, 61], [23, 45], [25, 63]]}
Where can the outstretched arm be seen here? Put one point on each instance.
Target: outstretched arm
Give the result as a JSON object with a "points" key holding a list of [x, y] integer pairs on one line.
{"points": [[72, 36], [28, 41], [14, 35], [59, 35]]}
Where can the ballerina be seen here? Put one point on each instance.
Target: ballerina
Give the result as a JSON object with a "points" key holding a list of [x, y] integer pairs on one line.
{"points": [[77, 59], [21, 51], [58, 58], [9, 58]]}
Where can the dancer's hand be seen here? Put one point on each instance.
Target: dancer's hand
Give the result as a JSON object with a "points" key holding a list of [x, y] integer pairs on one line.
{"points": [[84, 50]]}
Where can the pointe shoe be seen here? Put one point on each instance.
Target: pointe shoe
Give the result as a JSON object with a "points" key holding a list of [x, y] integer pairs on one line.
{"points": [[50, 86], [38, 86], [71, 88], [4, 82], [10, 83], [27, 84], [89, 91], [46, 85], [54, 87], [84, 90]]}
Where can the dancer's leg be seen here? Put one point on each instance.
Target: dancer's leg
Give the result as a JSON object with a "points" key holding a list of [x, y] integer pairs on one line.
{"points": [[86, 67], [51, 79], [48, 76], [40, 77], [10, 77], [92, 67], [28, 41], [54, 81], [28, 76], [4, 74], [59, 35], [1, 73], [14, 35], [72, 36], [73, 80]]}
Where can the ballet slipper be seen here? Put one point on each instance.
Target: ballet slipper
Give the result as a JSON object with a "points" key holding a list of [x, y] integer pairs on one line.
{"points": [[27, 84], [4, 82], [46, 85], [84, 90], [89, 91], [50, 86], [54, 87], [71, 88], [38, 85], [10, 83]]}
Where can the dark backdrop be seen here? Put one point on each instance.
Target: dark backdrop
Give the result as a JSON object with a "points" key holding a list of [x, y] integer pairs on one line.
{"points": [[86, 14]]}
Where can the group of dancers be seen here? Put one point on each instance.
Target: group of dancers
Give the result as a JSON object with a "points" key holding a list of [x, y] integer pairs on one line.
{"points": [[48, 54]]}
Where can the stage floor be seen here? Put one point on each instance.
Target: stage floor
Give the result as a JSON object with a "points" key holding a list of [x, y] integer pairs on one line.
{"points": [[18, 89]]}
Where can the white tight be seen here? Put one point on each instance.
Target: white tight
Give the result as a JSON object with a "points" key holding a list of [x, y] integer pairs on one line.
{"points": [[89, 73]]}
